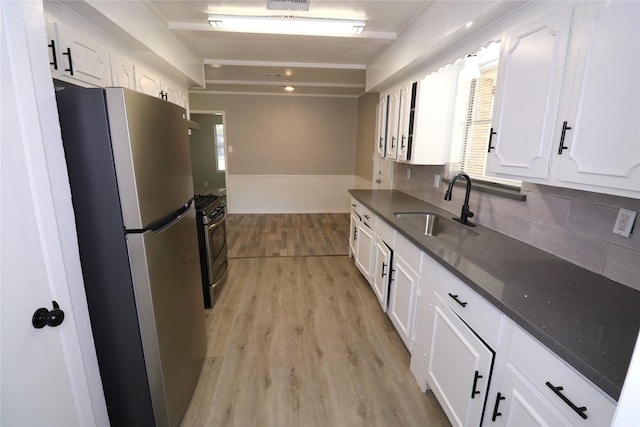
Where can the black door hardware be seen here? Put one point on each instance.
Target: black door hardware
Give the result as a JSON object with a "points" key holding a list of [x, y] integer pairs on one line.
{"points": [[491, 147], [68, 54], [497, 414], [455, 298], [43, 317], [563, 147], [475, 383], [579, 410], [53, 54]]}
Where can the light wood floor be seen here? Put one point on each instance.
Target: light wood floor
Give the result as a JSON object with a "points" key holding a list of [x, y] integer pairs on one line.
{"points": [[302, 341], [287, 235]]}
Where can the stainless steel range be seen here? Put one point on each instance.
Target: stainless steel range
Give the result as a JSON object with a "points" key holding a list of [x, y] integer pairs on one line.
{"points": [[212, 239]]}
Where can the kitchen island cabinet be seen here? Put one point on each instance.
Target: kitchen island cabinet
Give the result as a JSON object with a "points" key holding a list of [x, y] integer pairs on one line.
{"points": [[556, 302]]}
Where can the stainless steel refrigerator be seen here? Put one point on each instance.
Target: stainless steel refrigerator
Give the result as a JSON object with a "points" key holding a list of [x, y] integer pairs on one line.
{"points": [[130, 174]]}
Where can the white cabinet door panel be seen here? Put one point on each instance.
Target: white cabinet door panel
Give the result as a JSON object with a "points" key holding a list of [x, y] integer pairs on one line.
{"points": [[382, 272], [604, 142], [364, 251], [459, 366], [527, 97], [402, 298]]}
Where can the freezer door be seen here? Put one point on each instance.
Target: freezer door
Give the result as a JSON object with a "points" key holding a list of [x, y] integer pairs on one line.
{"points": [[167, 285], [151, 154]]}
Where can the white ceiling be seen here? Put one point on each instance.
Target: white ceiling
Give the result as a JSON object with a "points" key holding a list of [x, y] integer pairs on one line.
{"points": [[264, 63]]}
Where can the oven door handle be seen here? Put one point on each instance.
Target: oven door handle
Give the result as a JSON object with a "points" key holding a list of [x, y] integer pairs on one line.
{"points": [[216, 221]]}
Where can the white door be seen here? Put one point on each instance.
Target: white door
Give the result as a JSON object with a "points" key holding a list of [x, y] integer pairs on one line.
{"points": [[46, 378]]}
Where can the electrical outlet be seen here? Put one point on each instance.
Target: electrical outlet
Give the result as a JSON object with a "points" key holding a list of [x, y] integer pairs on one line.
{"points": [[230, 148], [624, 222], [408, 173], [436, 181]]}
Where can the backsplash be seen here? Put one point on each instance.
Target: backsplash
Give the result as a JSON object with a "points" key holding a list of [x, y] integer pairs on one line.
{"points": [[571, 224]]}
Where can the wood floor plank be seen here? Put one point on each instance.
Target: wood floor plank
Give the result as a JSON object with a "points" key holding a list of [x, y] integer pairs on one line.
{"points": [[301, 341]]}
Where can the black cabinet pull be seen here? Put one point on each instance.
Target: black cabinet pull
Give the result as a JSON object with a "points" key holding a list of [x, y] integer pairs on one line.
{"points": [[355, 233], [580, 411], [380, 144], [402, 142], [52, 46], [455, 298], [565, 128], [475, 383], [393, 142], [497, 414], [68, 54], [491, 147], [383, 272]]}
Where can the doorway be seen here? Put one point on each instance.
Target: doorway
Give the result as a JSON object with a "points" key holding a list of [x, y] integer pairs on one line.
{"points": [[208, 152]]}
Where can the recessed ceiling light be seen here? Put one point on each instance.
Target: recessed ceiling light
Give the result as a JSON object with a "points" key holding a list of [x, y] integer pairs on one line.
{"points": [[289, 88]]}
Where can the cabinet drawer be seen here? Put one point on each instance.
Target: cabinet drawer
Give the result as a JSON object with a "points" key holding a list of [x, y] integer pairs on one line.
{"points": [[386, 232], [540, 366], [480, 315], [356, 207], [367, 217]]}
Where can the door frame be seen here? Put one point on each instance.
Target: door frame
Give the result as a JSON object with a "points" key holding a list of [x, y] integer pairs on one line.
{"points": [[226, 151]]}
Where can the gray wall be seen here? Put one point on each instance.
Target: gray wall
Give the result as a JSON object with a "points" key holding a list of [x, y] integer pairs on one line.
{"points": [[286, 135], [574, 225], [202, 144], [366, 135]]}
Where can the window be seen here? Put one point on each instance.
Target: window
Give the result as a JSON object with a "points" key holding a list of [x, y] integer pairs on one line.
{"points": [[478, 125], [219, 143]]}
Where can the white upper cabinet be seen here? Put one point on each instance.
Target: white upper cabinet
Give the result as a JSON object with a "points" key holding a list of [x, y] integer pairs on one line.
{"points": [[407, 102], [381, 127], [77, 54], [532, 63], [567, 103], [427, 124], [603, 144], [393, 121], [122, 71]]}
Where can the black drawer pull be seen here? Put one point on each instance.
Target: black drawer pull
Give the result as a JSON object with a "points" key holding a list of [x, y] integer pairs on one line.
{"points": [[475, 383], [491, 147], [68, 54], [562, 147], [455, 298], [53, 53], [580, 411], [497, 414]]}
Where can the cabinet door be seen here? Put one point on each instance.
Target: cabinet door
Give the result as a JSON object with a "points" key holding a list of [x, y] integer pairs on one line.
{"points": [[381, 129], [392, 125], [364, 250], [405, 114], [402, 298], [353, 234], [532, 63], [81, 57], [519, 404], [122, 71], [147, 81], [382, 272], [459, 367], [604, 139]]}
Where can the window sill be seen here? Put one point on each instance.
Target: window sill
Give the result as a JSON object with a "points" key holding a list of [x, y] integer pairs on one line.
{"points": [[500, 190]]}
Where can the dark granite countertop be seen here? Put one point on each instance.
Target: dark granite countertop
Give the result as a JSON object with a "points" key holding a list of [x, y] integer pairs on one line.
{"points": [[589, 321]]}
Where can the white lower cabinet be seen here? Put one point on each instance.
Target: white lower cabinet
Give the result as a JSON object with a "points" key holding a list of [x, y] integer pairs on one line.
{"points": [[365, 239], [459, 366], [519, 404], [402, 298], [540, 387], [382, 272]]}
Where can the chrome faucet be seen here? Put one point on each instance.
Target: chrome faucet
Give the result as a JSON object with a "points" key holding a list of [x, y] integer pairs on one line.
{"points": [[465, 213]]}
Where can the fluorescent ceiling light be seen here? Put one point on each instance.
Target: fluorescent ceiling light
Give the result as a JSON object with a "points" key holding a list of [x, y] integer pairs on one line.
{"points": [[286, 25]]}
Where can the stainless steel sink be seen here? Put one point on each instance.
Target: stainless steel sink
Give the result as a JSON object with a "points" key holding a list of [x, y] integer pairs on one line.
{"points": [[432, 224]]}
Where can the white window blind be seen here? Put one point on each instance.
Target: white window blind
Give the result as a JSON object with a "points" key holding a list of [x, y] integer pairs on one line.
{"points": [[478, 126]]}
